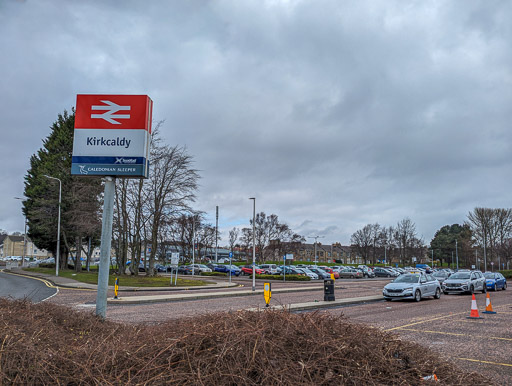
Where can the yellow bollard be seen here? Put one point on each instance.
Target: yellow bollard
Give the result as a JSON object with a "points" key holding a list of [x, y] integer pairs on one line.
{"points": [[116, 288]]}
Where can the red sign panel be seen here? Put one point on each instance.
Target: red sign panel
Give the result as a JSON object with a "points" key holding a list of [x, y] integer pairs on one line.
{"points": [[113, 112]]}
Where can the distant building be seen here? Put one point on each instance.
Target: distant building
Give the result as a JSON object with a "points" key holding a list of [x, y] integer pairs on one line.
{"points": [[11, 245], [329, 253]]}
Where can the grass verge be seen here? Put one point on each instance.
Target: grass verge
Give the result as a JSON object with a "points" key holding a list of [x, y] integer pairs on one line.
{"points": [[127, 281]]}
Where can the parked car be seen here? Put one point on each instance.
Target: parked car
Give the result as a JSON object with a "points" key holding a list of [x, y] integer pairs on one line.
{"points": [[185, 270], [465, 282], [200, 268], [227, 269], [495, 281], [351, 273], [329, 270], [320, 272], [307, 272], [441, 276], [247, 270], [412, 286], [270, 269], [160, 268], [291, 270], [383, 272]]}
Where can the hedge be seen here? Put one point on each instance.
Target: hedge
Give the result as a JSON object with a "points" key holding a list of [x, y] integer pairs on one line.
{"points": [[214, 274], [507, 273], [279, 277]]}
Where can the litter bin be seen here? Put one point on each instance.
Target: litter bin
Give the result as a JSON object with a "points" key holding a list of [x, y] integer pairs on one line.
{"points": [[328, 290]]}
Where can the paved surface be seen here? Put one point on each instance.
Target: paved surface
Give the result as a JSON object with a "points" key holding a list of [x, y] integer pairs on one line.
{"points": [[481, 345], [21, 287]]}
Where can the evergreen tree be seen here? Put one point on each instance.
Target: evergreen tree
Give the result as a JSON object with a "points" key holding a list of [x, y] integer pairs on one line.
{"points": [[80, 207]]}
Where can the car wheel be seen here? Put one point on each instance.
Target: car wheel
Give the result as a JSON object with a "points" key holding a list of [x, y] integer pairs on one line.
{"points": [[438, 294], [504, 286], [351, 276], [495, 287], [417, 295], [388, 276], [471, 290], [484, 289]]}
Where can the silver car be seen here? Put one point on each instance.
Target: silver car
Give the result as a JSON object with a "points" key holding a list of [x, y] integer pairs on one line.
{"points": [[465, 282], [412, 286]]}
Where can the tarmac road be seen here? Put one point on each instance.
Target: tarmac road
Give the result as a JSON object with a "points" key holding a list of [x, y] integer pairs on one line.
{"points": [[481, 345], [21, 287]]}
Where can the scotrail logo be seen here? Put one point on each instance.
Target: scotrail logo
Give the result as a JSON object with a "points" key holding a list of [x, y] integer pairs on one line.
{"points": [[125, 160], [111, 109]]}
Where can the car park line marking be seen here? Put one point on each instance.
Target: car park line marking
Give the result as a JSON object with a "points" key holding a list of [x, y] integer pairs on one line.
{"points": [[425, 321], [486, 362], [456, 334]]}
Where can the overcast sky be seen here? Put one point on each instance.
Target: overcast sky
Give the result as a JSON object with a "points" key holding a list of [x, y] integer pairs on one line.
{"points": [[333, 114]]}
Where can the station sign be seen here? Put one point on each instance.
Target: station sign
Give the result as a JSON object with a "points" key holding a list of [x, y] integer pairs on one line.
{"points": [[112, 135]]}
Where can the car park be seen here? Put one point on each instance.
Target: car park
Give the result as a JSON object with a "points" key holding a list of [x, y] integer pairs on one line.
{"points": [[322, 275], [383, 272], [412, 286], [247, 270], [200, 268], [292, 271], [308, 272], [330, 271], [465, 281], [441, 276], [185, 270], [351, 273], [270, 269], [495, 281], [227, 269]]}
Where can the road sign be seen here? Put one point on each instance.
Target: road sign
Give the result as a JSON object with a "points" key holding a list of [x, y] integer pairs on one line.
{"points": [[230, 255], [175, 258], [289, 256], [112, 135]]}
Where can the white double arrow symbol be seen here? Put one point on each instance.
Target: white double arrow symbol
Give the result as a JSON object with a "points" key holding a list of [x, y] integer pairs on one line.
{"points": [[108, 115]]}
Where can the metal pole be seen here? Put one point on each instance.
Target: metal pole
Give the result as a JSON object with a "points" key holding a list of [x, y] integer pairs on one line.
{"points": [[193, 244], [106, 240], [253, 243], [432, 258], [457, 254], [58, 225], [485, 255], [216, 230], [24, 237]]}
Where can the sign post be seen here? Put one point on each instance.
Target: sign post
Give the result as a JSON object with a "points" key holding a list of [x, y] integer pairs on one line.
{"points": [[111, 139], [230, 257]]}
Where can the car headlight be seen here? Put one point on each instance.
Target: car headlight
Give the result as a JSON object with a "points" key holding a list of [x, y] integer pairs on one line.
{"points": [[408, 289]]}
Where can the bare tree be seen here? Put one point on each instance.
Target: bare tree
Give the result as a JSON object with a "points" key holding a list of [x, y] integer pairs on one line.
{"points": [[233, 238], [405, 237], [481, 221], [170, 190], [362, 241]]}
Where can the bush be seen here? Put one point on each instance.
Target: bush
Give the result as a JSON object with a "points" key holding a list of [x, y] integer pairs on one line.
{"points": [[264, 348], [214, 274], [47, 265], [507, 273], [279, 277]]}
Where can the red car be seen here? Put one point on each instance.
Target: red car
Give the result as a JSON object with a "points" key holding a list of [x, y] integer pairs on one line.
{"points": [[330, 270], [247, 270]]}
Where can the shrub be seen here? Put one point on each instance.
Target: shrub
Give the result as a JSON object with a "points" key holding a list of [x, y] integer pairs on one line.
{"points": [[507, 273], [214, 274], [279, 277]]}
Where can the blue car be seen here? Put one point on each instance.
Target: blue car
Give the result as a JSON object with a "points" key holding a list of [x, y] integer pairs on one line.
{"points": [[495, 281], [227, 268]]}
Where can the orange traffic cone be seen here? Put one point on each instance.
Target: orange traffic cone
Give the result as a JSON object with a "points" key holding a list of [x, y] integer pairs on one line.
{"points": [[488, 305], [432, 377], [474, 310]]}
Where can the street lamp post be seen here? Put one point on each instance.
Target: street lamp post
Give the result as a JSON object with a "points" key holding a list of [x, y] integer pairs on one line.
{"points": [[316, 240], [58, 225], [253, 243], [24, 238]]}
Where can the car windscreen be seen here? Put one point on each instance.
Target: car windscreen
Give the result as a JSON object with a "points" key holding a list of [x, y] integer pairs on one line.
{"points": [[489, 275], [460, 275], [407, 279], [440, 274]]}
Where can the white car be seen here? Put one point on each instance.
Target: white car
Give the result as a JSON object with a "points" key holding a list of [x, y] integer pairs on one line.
{"points": [[200, 268], [307, 272], [412, 286]]}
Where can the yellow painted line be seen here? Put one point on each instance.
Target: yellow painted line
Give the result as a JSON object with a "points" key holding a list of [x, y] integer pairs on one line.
{"points": [[46, 282], [456, 334], [425, 321], [486, 362]]}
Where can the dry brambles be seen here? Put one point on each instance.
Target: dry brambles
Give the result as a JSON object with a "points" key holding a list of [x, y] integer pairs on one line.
{"points": [[49, 344]]}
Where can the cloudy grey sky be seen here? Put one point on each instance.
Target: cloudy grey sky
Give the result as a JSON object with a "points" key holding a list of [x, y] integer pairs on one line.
{"points": [[333, 114]]}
